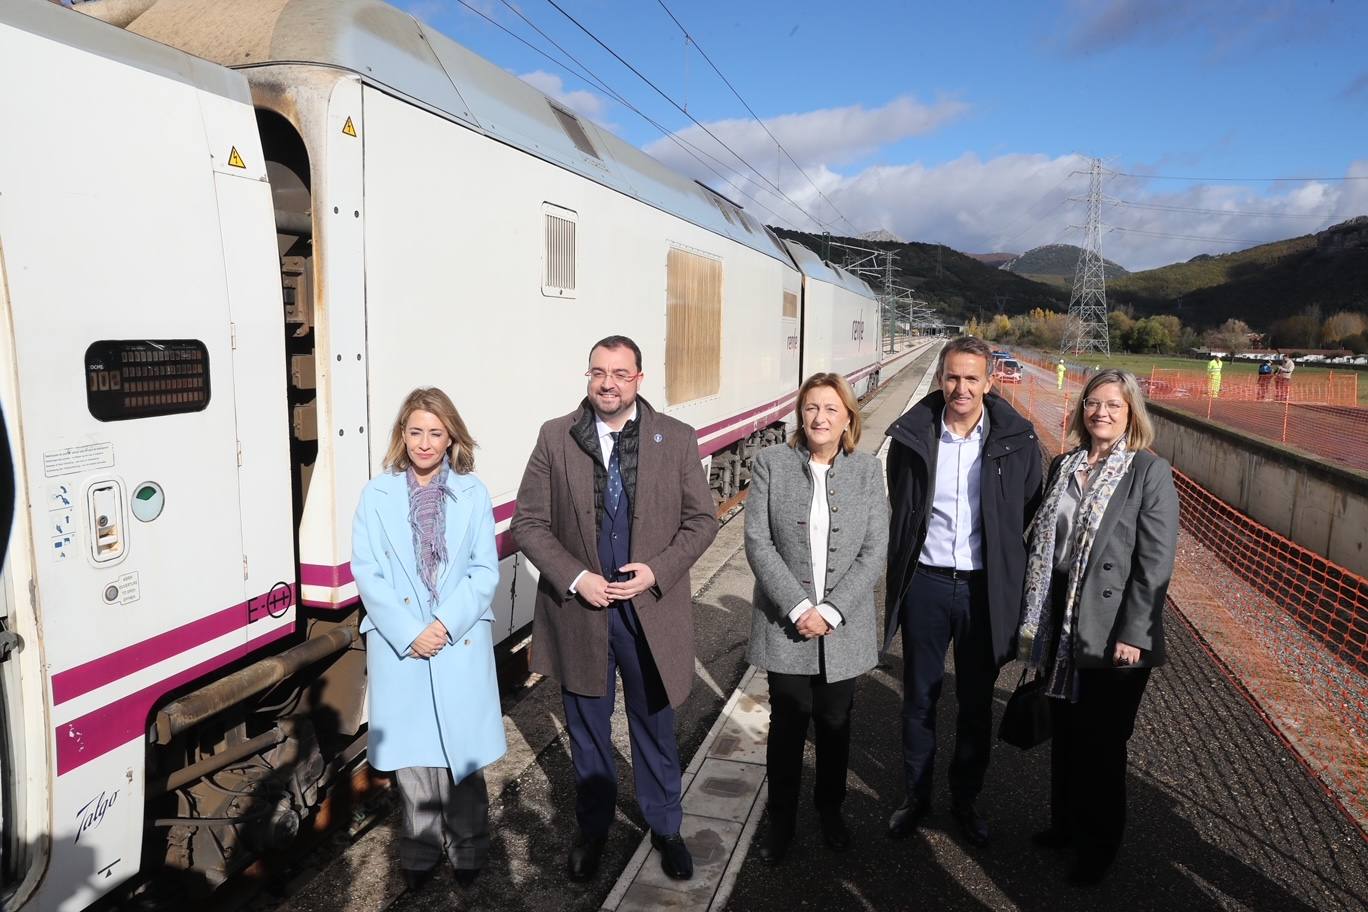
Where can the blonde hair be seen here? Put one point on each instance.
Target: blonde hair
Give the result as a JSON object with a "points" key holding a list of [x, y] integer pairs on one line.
{"points": [[1139, 427], [851, 435], [461, 450]]}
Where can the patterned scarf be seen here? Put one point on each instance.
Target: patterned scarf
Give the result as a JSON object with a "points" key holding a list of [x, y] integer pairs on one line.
{"points": [[1037, 613], [427, 517]]}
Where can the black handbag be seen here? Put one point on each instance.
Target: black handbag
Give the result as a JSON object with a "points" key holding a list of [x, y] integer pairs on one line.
{"points": [[1026, 720]]}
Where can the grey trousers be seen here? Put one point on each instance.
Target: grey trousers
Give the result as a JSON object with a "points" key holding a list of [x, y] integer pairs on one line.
{"points": [[441, 816]]}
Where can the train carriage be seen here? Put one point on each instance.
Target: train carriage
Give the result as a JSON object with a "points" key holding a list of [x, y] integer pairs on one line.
{"points": [[287, 214], [841, 325], [140, 302]]}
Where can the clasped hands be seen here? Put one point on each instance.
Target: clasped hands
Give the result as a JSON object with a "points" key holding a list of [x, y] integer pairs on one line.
{"points": [[600, 593], [812, 624], [430, 642]]}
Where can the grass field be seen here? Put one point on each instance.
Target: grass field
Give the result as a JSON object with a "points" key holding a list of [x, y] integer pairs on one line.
{"points": [[1140, 365]]}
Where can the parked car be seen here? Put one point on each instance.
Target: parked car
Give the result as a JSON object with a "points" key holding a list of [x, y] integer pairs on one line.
{"points": [[1008, 371]]}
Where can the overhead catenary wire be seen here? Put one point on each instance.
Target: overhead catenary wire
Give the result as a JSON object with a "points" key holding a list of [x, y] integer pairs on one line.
{"points": [[1246, 180], [602, 86], [694, 41], [663, 94], [1131, 204], [1185, 237], [1026, 214], [598, 82]]}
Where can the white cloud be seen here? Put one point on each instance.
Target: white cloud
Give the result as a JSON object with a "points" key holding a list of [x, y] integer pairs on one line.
{"points": [[1015, 202], [825, 137]]}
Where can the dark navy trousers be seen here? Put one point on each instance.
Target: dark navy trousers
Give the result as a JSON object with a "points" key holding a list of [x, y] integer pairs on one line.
{"points": [[936, 612], [650, 726]]}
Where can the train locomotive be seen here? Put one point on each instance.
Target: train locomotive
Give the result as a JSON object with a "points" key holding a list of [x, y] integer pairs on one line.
{"points": [[232, 237]]}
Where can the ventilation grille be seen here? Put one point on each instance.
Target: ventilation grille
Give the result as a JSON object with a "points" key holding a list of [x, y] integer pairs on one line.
{"points": [[559, 278]]}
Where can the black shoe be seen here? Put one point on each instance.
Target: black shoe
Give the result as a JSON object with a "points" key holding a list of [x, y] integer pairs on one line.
{"points": [[835, 833], [675, 859], [776, 843], [906, 818], [1051, 839], [416, 880], [584, 857], [973, 827], [465, 876]]}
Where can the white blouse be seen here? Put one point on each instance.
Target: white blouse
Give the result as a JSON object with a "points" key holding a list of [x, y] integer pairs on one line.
{"points": [[819, 531]]}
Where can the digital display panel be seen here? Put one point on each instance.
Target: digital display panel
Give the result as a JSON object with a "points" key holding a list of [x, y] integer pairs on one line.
{"points": [[143, 378]]}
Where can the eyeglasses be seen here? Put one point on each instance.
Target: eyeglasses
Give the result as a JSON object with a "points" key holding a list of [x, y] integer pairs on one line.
{"points": [[621, 375], [1113, 406]]}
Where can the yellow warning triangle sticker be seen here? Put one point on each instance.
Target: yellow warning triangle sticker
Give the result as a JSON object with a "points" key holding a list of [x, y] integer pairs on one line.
{"points": [[235, 160], [349, 128]]}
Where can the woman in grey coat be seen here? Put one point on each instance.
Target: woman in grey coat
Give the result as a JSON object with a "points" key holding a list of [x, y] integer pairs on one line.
{"points": [[816, 537], [1099, 558]]}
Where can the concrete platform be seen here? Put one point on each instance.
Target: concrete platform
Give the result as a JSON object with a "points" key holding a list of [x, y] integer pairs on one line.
{"points": [[1222, 815]]}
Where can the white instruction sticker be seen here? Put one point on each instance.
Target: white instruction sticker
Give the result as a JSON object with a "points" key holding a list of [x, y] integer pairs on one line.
{"points": [[78, 459], [128, 588]]}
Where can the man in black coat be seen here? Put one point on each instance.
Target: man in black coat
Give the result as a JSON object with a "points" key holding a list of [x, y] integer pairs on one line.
{"points": [[964, 481]]}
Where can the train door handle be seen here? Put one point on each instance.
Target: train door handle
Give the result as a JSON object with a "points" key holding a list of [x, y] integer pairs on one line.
{"points": [[104, 502]]}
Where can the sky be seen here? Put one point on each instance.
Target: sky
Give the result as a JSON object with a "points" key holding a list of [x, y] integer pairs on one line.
{"points": [[973, 124]]}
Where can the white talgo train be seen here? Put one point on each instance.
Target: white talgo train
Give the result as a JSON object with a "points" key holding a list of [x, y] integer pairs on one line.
{"points": [[232, 237]]}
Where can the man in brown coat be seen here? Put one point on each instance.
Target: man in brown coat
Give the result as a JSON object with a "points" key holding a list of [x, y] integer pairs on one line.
{"points": [[613, 510]]}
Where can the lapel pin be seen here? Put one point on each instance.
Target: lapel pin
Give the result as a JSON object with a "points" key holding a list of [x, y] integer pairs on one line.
{"points": [[659, 437]]}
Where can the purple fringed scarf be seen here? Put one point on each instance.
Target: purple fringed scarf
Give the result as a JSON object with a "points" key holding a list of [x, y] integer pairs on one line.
{"points": [[427, 516]]}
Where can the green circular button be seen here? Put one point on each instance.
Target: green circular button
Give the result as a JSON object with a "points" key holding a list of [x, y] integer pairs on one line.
{"points": [[148, 501]]}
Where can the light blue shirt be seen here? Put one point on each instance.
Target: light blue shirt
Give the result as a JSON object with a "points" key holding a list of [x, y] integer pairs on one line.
{"points": [[954, 535]]}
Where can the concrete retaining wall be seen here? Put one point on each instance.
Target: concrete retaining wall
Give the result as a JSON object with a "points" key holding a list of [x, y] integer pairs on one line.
{"points": [[1317, 505]]}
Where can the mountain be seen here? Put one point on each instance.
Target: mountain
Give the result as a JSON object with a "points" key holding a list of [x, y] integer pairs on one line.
{"points": [[994, 259], [955, 284], [1259, 285], [881, 234], [1059, 261]]}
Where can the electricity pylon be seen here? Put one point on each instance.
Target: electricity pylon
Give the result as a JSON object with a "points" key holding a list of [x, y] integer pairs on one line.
{"points": [[1087, 327]]}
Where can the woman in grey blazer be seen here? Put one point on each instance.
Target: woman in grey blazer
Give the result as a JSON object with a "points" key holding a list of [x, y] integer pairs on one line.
{"points": [[1099, 558], [816, 536]]}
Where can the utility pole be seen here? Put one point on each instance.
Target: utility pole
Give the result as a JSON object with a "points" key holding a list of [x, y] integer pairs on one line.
{"points": [[1087, 329]]}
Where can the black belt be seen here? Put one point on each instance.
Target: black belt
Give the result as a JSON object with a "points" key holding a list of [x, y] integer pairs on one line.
{"points": [[950, 572]]}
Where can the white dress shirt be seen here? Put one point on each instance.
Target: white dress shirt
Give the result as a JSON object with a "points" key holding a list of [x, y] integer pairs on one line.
{"points": [[954, 535], [819, 530], [605, 439], [605, 434]]}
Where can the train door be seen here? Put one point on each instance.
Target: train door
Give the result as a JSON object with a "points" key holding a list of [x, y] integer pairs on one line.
{"points": [[287, 166]]}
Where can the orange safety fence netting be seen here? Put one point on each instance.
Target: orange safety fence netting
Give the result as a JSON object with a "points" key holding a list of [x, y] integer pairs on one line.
{"points": [[1287, 625], [1317, 414]]}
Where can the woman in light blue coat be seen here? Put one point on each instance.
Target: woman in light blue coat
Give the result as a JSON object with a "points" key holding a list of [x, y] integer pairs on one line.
{"points": [[425, 563]]}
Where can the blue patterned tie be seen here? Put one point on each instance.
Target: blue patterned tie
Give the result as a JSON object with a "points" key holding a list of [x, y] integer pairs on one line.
{"points": [[614, 476]]}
